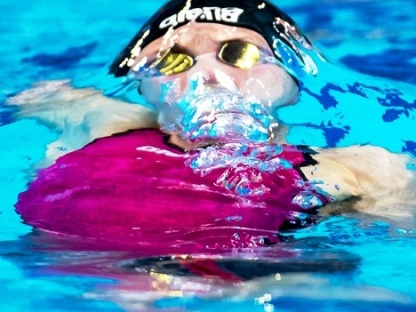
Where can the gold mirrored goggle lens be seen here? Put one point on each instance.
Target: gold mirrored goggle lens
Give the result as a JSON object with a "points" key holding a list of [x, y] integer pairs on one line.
{"points": [[173, 63], [240, 54]]}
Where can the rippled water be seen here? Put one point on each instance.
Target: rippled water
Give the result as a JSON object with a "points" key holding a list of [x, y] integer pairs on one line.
{"points": [[352, 262]]}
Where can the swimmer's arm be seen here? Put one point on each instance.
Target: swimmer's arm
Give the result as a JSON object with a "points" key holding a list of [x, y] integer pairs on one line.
{"points": [[377, 180], [78, 115]]}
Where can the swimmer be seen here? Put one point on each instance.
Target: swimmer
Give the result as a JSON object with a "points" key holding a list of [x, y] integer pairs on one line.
{"points": [[214, 73]]}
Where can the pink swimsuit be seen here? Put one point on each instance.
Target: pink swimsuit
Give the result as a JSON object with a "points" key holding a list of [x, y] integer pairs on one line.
{"points": [[133, 189]]}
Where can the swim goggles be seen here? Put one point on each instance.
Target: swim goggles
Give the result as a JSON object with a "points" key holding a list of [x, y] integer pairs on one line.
{"points": [[236, 53]]}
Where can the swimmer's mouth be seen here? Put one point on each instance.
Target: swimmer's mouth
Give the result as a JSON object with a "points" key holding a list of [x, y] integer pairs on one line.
{"points": [[219, 127], [176, 139], [226, 127]]}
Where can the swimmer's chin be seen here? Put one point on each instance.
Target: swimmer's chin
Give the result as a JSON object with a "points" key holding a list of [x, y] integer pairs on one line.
{"points": [[186, 145], [278, 136]]}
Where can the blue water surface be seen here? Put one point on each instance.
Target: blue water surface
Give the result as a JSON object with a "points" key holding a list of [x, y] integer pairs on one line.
{"points": [[344, 263]]}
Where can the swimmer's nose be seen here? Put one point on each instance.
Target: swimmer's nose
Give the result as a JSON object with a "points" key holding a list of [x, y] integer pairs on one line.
{"points": [[206, 66], [207, 77], [211, 71]]}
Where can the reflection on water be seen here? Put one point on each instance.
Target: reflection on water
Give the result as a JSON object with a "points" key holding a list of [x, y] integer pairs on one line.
{"points": [[351, 263], [324, 265]]}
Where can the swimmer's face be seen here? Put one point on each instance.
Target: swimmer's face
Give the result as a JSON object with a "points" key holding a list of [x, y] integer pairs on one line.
{"points": [[268, 83]]}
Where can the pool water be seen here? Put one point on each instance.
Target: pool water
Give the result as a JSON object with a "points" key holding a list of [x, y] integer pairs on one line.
{"points": [[352, 262]]}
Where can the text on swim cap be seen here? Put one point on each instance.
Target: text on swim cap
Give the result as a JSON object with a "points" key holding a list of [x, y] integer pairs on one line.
{"points": [[229, 15]]}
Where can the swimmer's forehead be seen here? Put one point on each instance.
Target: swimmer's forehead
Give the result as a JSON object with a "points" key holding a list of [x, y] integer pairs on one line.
{"points": [[260, 16], [197, 37]]}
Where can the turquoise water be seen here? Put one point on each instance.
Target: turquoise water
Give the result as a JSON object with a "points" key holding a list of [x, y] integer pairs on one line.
{"points": [[349, 263]]}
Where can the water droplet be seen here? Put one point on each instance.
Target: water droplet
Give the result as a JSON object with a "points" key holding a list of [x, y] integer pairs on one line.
{"points": [[401, 231], [268, 307], [411, 166], [382, 224], [307, 200], [267, 297], [285, 164], [234, 218]]}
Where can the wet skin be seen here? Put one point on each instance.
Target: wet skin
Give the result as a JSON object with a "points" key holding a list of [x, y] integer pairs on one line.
{"points": [[268, 83]]}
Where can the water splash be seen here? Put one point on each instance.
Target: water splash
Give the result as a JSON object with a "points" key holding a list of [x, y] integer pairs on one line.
{"points": [[258, 172], [307, 200], [262, 157], [246, 166], [214, 112]]}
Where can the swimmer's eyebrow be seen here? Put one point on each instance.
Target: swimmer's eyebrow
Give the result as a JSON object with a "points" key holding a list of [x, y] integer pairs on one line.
{"points": [[182, 49]]}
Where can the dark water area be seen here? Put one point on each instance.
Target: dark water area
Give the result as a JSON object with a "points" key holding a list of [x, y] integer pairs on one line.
{"points": [[353, 262]]}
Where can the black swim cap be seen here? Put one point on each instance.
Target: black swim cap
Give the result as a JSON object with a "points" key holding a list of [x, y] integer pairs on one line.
{"points": [[278, 29]]}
